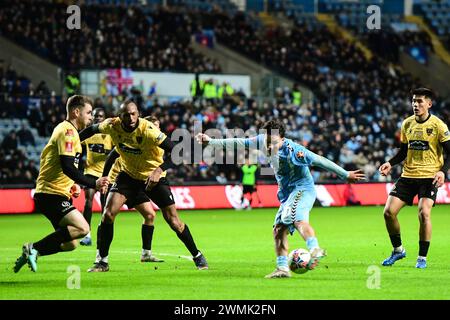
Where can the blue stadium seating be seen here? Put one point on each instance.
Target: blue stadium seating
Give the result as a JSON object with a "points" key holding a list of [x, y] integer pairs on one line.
{"points": [[437, 15]]}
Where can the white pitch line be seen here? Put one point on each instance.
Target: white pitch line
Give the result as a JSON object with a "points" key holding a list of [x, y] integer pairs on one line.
{"points": [[123, 251]]}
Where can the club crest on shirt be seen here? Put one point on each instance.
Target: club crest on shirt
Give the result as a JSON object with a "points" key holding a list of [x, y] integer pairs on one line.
{"points": [[429, 131], [69, 133], [300, 154]]}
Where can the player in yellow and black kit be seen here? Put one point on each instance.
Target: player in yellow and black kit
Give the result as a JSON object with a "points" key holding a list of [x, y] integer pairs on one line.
{"points": [[96, 149], [58, 172], [141, 147], [424, 138], [145, 209]]}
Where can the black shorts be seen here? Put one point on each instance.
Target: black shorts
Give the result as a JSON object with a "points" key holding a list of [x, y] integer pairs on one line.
{"points": [[90, 176], [248, 188], [407, 188], [53, 206], [161, 194], [132, 189], [103, 198]]}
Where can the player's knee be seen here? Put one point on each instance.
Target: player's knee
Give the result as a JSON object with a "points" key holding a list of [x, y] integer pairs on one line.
{"points": [[301, 223], [83, 230], [108, 216], [69, 246], [149, 216], [149, 219], [424, 215], [389, 214]]}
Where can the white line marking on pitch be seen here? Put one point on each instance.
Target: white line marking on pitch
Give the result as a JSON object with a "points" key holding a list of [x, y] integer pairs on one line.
{"points": [[122, 251]]}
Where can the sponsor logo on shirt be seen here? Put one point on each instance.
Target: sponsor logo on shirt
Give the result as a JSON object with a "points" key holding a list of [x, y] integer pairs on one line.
{"points": [[127, 149], [97, 147], [419, 145], [65, 204], [69, 146]]}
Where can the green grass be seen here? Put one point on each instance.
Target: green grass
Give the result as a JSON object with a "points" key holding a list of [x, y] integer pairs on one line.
{"points": [[239, 249]]}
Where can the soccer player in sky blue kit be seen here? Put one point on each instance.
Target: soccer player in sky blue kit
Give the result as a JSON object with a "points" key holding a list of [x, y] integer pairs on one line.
{"points": [[296, 191]]}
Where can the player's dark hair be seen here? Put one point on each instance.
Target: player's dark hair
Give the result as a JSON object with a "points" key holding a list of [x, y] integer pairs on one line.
{"points": [[427, 93], [77, 101], [98, 109], [124, 106], [275, 126]]}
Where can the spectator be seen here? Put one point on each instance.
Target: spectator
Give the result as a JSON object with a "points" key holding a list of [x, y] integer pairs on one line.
{"points": [[221, 178], [10, 142], [42, 90], [25, 136]]}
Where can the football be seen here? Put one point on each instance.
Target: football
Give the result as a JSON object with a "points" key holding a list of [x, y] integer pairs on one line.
{"points": [[298, 259]]}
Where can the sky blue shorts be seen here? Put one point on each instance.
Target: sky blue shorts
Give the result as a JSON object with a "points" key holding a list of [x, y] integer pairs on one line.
{"points": [[296, 208]]}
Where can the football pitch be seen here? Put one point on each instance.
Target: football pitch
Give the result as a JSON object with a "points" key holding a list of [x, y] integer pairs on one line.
{"points": [[240, 252]]}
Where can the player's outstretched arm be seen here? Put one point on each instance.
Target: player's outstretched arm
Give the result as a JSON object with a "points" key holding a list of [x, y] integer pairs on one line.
{"points": [[88, 132], [203, 138], [69, 169], [324, 163], [251, 143], [355, 176]]}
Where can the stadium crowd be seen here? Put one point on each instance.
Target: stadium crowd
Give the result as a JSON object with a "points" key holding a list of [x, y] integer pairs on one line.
{"points": [[354, 119], [110, 36], [388, 44]]}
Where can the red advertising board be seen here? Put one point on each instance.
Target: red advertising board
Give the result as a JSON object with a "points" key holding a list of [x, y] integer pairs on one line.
{"points": [[229, 196]]}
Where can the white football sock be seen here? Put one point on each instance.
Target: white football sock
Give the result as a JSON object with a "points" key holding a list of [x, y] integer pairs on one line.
{"points": [[98, 258]]}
